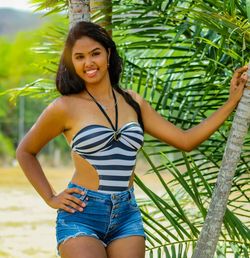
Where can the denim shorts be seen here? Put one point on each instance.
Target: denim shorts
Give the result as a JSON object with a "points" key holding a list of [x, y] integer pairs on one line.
{"points": [[106, 217]]}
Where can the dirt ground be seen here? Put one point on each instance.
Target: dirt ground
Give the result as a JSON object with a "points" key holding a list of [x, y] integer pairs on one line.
{"points": [[26, 222]]}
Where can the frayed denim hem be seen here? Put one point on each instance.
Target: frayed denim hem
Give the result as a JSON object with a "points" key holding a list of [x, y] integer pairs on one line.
{"points": [[79, 234]]}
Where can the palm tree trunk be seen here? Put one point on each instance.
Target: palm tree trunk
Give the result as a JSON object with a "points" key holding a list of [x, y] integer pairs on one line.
{"points": [[82, 10], [79, 10], [209, 236]]}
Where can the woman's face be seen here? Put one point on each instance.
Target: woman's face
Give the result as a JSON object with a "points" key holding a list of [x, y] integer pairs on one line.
{"points": [[90, 60]]}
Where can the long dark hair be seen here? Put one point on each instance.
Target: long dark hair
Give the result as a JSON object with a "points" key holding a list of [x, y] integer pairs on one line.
{"points": [[68, 82]]}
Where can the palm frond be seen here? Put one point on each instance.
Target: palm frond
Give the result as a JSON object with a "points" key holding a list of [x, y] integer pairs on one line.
{"points": [[185, 198], [179, 55]]}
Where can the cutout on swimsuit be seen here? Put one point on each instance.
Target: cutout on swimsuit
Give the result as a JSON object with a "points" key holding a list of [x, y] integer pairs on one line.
{"points": [[111, 151], [114, 159]]}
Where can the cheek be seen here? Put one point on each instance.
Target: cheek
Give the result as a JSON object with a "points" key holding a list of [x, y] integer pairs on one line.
{"points": [[101, 60], [77, 66], [104, 64]]}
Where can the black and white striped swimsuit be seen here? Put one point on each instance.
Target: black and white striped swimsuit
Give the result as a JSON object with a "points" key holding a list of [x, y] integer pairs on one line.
{"points": [[111, 151]]}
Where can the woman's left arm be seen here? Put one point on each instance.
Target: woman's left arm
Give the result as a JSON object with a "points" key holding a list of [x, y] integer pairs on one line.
{"points": [[187, 140]]}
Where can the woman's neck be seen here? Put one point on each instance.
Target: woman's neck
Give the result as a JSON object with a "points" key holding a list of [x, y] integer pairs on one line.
{"points": [[101, 91]]}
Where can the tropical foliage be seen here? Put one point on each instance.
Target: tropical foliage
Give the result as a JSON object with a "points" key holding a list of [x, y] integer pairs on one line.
{"points": [[20, 66], [14, 72], [179, 55]]}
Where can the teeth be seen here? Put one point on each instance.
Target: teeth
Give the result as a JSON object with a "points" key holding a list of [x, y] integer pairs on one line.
{"points": [[91, 72]]}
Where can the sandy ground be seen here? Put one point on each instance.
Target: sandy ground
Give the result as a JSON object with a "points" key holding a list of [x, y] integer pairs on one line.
{"points": [[26, 222]]}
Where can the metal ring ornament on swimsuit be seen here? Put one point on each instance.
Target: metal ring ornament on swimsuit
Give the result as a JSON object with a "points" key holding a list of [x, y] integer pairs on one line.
{"points": [[113, 159], [111, 151]]}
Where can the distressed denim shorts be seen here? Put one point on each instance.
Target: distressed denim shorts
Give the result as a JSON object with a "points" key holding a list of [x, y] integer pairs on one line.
{"points": [[106, 217]]}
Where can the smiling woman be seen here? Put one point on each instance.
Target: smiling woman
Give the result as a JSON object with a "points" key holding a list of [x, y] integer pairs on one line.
{"points": [[97, 214], [104, 149], [91, 60]]}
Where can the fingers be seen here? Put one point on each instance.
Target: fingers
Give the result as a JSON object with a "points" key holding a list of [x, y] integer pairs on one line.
{"points": [[243, 77], [239, 77], [74, 190], [238, 72], [241, 83], [238, 82], [71, 203], [71, 206]]}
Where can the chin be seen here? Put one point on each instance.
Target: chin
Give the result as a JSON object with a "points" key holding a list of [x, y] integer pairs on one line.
{"points": [[93, 80]]}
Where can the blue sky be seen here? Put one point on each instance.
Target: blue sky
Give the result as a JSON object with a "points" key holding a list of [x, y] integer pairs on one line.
{"points": [[17, 4]]}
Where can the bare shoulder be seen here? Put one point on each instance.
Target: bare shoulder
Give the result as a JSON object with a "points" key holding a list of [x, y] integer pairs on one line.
{"points": [[60, 104], [60, 107], [135, 96], [51, 123], [55, 114]]}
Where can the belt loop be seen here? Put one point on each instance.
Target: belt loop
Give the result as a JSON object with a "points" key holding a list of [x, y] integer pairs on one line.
{"points": [[83, 197], [85, 191], [131, 193], [113, 197]]}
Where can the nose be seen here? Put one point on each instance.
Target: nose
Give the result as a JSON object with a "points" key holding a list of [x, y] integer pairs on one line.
{"points": [[88, 61]]}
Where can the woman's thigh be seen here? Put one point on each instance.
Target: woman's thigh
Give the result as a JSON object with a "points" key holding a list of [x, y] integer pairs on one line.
{"points": [[82, 247], [129, 247]]}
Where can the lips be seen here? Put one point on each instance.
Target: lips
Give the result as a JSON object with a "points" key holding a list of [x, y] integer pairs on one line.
{"points": [[91, 73]]}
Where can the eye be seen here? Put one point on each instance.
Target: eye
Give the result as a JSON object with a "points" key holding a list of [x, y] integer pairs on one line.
{"points": [[96, 54], [79, 57]]}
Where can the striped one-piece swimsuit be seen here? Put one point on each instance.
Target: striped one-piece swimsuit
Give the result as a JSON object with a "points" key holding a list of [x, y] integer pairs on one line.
{"points": [[111, 151]]}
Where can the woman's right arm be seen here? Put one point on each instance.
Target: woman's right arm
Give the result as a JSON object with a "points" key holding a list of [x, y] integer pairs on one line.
{"points": [[50, 124]]}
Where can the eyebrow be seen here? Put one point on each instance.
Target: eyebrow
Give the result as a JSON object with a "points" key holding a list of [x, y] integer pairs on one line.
{"points": [[93, 50]]}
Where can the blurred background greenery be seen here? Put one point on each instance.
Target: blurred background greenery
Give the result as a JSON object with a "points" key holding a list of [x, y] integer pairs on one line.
{"points": [[20, 33], [180, 56]]}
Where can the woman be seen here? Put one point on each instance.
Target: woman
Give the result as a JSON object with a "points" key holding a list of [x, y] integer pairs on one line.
{"points": [[97, 214]]}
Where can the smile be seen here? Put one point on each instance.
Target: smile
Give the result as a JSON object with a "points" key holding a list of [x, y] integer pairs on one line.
{"points": [[91, 73]]}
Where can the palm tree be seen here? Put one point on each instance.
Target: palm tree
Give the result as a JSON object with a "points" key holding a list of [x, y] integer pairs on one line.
{"points": [[206, 245], [79, 10], [206, 32], [180, 55], [82, 10]]}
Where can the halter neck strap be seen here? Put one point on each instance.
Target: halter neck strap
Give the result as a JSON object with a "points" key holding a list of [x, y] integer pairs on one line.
{"points": [[115, 128]]}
